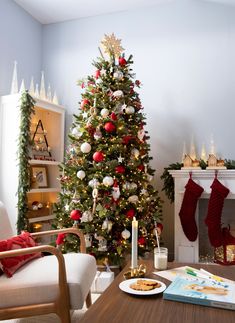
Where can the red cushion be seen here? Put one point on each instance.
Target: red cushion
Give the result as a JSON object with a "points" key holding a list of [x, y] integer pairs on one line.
{"points": [[11, 264]]}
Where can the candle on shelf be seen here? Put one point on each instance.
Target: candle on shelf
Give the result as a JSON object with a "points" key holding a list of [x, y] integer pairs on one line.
{"points": [[134, 245]]}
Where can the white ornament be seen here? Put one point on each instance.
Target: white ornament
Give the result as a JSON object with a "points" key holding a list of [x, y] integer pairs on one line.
{"points": [[14, 83], [81, 174], [66, 207], [126, 234], [118, 94], [104, 113], [124, 108], [144, 191], [84, 115], [116, 193], [141, 134], [108, 181], [126, 186], [133, 186], [118, 75], [130, 110], [86, 216], [42, 88], [149, 177], [133, 199], [85, 147], [118, 108], [77, 132], [102, 245], [120, 159], [88, 240], [31, 87], [135, 152], [105, 224], [97, 134], [94, 182]]}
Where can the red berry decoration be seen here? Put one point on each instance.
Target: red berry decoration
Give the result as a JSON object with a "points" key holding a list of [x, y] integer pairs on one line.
{"points": [[126, 139], [130, 213], [98, 156], [75, 215], [97, 74], [84, 103], [113, 116], [120, 169], [141, 167], [141, 241], [122, 61], [109, 127]]}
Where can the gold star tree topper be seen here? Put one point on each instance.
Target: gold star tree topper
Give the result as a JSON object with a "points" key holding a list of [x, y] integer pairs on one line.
{"points": [[112, 45]]}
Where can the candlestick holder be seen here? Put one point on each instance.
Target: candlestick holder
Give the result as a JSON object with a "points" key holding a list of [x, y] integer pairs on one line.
{"points": [[138, 272]]}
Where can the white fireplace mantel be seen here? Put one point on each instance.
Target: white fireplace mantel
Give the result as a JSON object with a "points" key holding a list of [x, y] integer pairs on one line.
{"points": [[185, 250]]}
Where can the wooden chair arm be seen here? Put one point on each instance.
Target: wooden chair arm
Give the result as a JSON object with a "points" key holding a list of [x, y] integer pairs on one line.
{"points": [[30, 250], [62, 278], [75, 231]]}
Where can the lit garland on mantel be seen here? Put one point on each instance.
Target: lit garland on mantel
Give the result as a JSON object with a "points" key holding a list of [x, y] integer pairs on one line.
{"points": [[168, 180], [26, 111]]}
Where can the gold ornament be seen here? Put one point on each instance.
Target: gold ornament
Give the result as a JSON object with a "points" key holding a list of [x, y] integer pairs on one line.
{"points": [[112, 45]]}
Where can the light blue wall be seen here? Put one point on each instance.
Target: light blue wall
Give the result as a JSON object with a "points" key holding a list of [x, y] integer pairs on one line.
{"points": [[20, 40]]}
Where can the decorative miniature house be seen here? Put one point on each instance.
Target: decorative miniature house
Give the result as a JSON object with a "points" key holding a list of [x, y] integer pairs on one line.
{"points": [[188, 162], [213, 162]]}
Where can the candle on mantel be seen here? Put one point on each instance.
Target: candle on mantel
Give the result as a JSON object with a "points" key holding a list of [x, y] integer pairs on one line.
{"points": [[134, 244]]}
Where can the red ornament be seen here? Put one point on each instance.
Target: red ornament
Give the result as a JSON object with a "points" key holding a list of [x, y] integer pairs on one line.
{"points": [[130, 213], [122, 61], [60, 239], [75, 215], [120, 169], [141, 241], [126, 139], [109, 127], [97, 74], [98, 156], [137, 82], [141, 167], [113, 116], [84, 103]]}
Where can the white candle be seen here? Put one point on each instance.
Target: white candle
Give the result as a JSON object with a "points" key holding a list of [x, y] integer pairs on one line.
{"points": [[134, 245]]}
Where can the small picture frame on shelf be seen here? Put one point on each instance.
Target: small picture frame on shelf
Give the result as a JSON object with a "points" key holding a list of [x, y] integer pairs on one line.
{"points": [[39, 176]]}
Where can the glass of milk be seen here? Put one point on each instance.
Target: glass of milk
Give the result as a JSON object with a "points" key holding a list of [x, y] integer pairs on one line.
{"points": [[160, 258]]}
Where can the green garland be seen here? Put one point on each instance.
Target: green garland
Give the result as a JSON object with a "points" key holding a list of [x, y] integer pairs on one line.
{"points": [[26, 111], [168, 180]]}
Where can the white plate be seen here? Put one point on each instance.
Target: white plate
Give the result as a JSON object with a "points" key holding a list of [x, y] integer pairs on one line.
{"points": [[125, 287]]}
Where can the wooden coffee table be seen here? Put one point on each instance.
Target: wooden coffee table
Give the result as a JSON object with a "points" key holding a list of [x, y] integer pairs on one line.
{"points": [[116, 306]]}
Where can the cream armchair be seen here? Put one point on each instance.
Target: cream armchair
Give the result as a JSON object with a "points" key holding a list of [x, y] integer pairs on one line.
{"points": [[52, 284]]}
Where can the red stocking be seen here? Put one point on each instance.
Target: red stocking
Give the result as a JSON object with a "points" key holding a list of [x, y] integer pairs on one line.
{"points": [[188, 208], [213, 220]]}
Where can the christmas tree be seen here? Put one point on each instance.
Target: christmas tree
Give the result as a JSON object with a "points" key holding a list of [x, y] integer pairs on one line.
{"points": [[106, 176]]}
